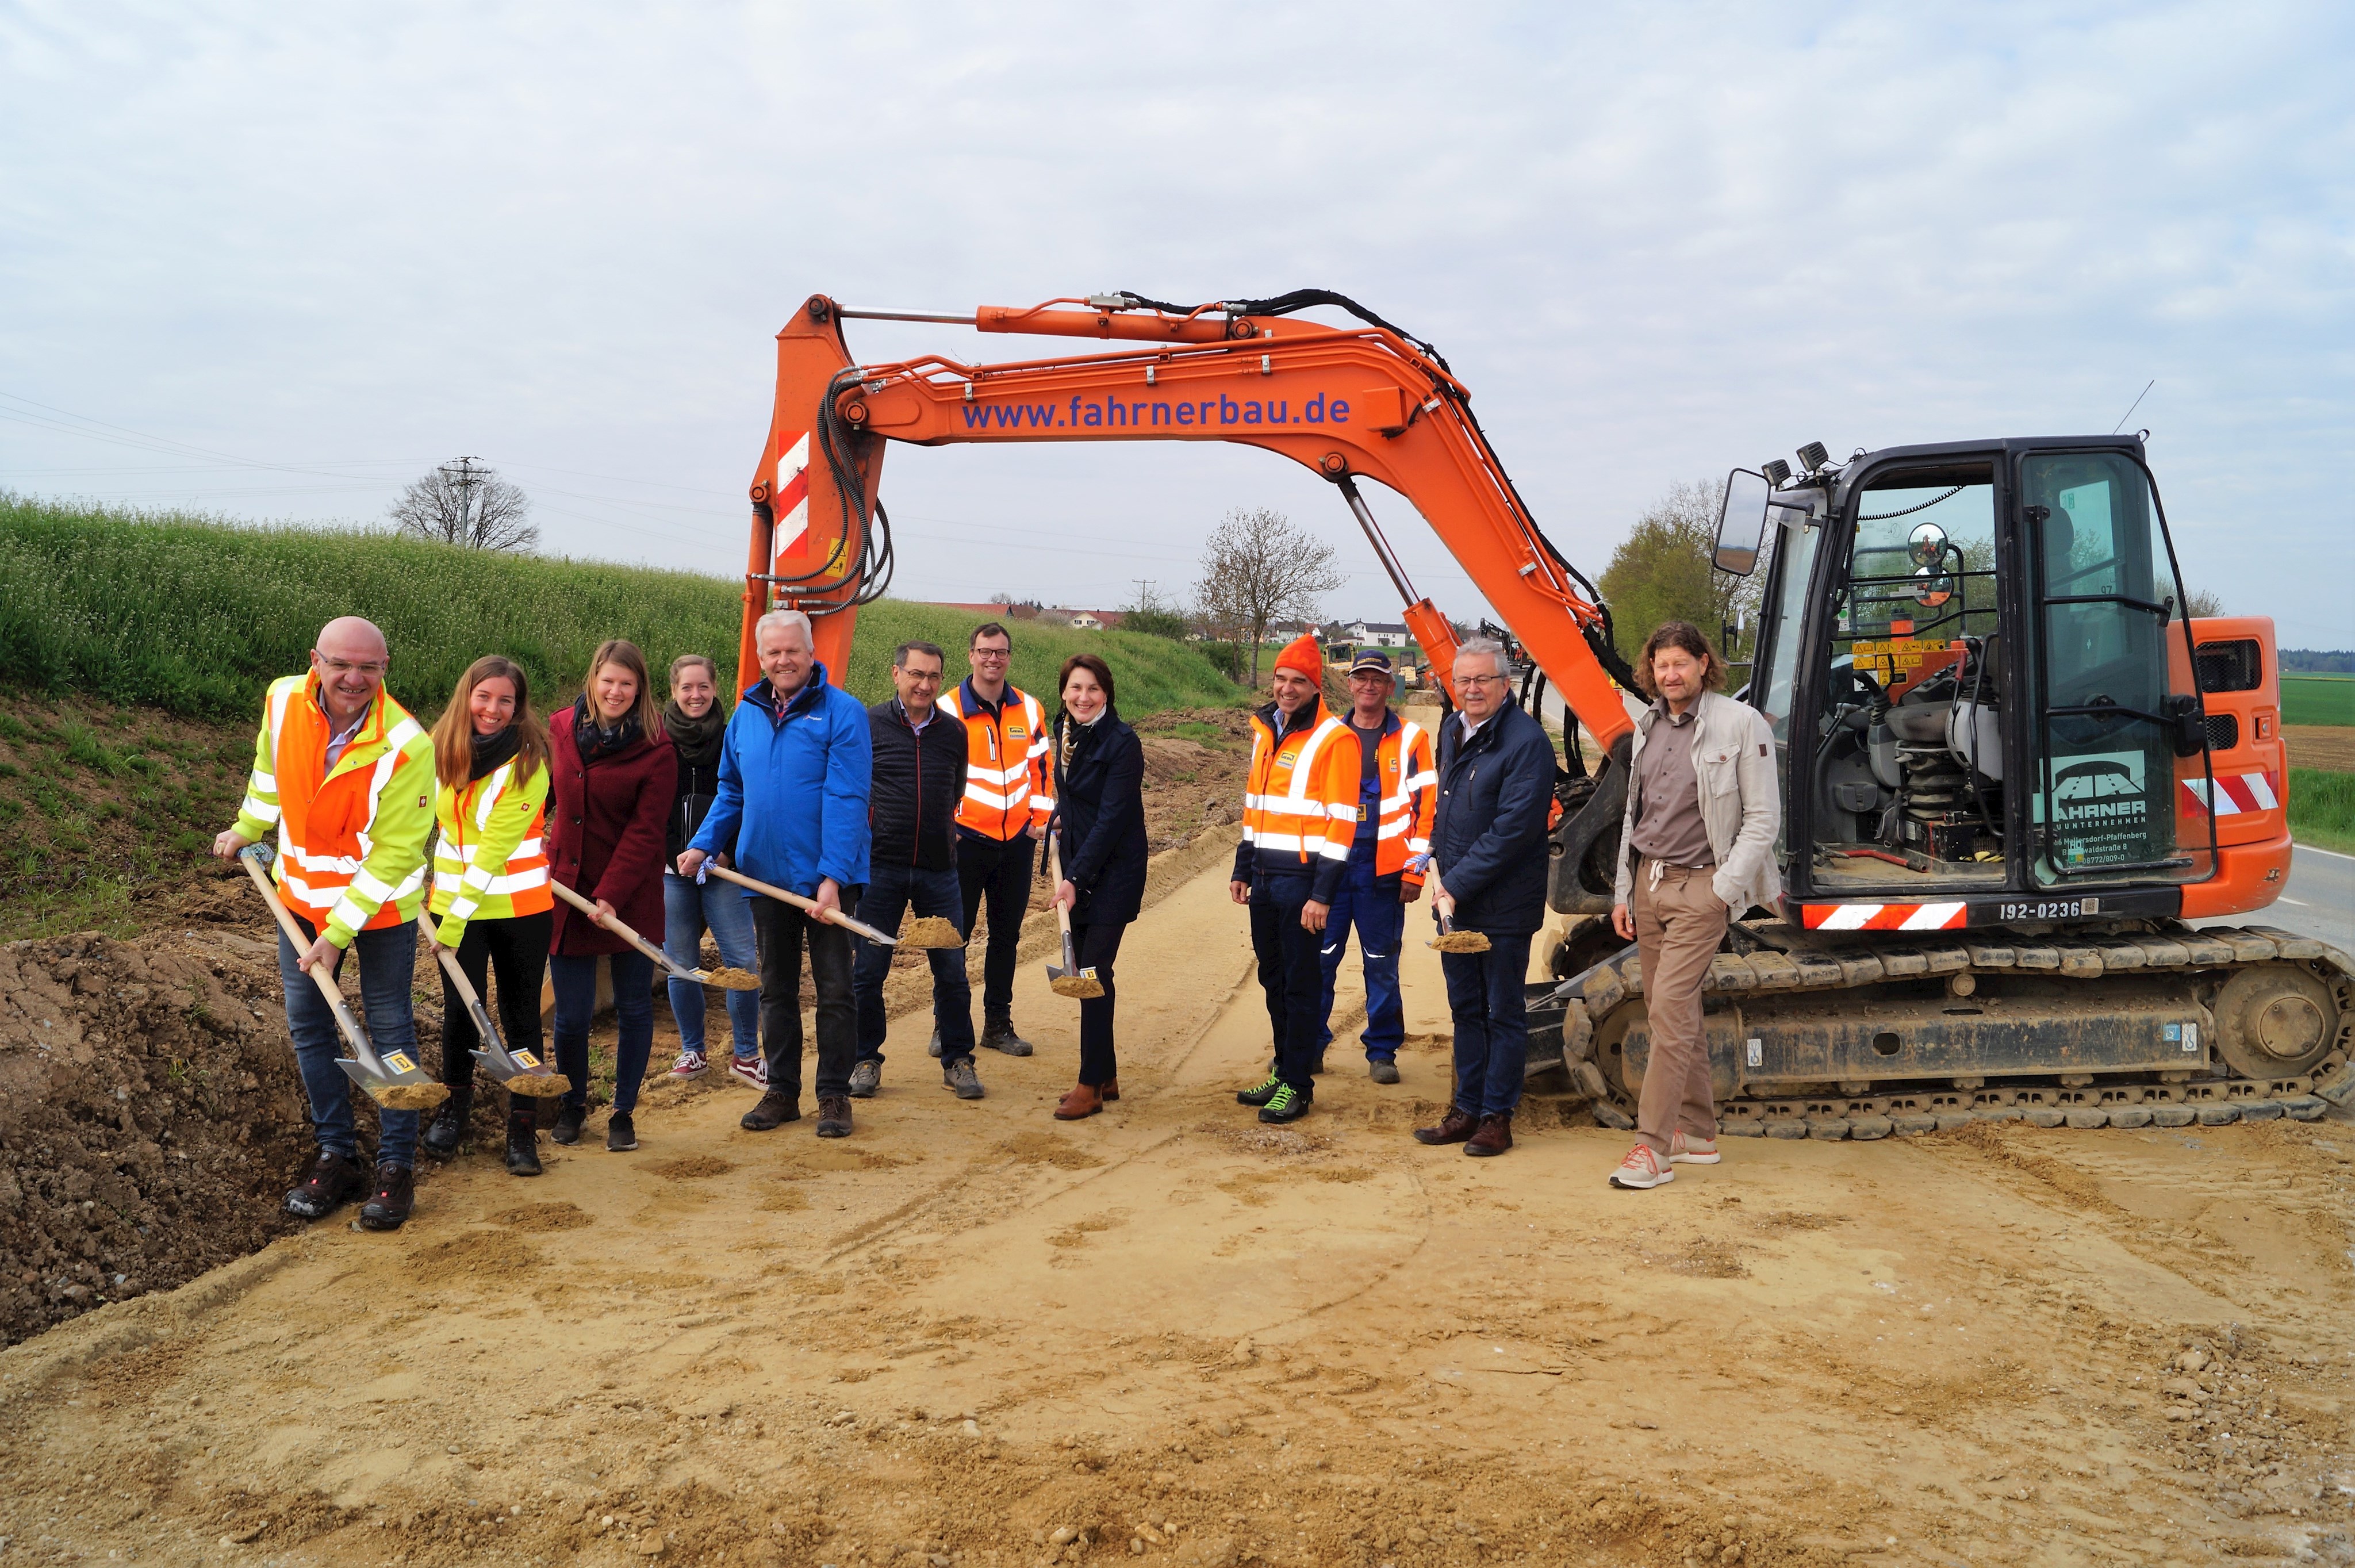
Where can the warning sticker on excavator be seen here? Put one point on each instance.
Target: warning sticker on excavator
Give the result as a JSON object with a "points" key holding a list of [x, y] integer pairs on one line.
{"points": [[790, 503]]}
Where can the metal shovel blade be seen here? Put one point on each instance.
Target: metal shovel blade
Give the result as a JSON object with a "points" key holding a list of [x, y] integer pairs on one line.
{"points": [[395, 1081], [1069, 979], [517, 1071]]}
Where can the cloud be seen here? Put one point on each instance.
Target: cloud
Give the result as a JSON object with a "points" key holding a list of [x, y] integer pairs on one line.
{"points": [[1656, 241]]}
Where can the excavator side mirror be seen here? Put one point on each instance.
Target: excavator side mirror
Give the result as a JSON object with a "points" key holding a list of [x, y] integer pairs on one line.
{"points": [[1742, 521]]}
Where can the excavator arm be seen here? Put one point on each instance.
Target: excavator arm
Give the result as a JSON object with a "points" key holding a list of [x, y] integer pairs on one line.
{"points": [[1355, 402]]}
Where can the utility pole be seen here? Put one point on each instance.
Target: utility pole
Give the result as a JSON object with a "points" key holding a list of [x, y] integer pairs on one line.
{"points": [[1144, 592], [465, 477]]}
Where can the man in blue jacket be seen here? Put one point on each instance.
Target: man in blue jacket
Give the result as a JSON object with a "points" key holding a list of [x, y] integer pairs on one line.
{"points": [[1488, 875], [794, 776]]}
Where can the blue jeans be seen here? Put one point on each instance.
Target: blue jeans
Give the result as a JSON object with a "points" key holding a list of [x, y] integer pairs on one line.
{"points": [[1371, 904], [891, 889], [573, 977], [1490, 1008], [688, 909], [388, 961]]}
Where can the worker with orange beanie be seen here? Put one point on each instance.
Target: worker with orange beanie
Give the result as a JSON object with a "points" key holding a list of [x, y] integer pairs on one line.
{"points": [[1300, 815]]}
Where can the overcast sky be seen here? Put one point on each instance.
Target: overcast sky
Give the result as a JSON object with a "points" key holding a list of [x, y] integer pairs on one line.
{"points": [[286, 257]]}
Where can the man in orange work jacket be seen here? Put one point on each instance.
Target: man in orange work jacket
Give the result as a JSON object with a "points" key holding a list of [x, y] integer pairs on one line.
{"points": [[345, 777], [1008, 796], [1398, 786], [1300, 813]]}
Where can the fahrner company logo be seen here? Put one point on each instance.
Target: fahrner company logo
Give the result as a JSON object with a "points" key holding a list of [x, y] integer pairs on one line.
{"points": [[1170, 413], [2101, 807]]}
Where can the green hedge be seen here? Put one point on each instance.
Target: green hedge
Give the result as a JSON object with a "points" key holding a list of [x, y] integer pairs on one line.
{"points": [[197, 616]]}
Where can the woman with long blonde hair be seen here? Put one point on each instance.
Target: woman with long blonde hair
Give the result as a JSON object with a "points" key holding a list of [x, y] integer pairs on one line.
{"points": [[490, 901]]}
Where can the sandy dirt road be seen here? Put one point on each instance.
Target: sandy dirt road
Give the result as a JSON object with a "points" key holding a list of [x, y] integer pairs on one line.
{"points": [[973, 1335]]}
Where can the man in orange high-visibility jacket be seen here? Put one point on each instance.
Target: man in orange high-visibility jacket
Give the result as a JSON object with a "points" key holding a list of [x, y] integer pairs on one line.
{"points": [[1009, 792], [1397, 787], [1300, 813], [345, 776]]}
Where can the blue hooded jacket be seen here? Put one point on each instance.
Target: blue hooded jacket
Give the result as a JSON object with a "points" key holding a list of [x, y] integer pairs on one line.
{"points": [[793, 787]]}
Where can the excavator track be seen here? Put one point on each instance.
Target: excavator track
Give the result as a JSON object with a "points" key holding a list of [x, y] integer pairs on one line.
{"points": [[2057, 981]]}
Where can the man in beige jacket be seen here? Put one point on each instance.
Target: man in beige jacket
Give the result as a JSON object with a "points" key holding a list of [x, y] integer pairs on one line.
{"points": [[1696, 849]]}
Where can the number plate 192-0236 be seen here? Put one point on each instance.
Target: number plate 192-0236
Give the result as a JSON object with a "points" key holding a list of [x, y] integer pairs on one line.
{"points": [[2045, 908]]}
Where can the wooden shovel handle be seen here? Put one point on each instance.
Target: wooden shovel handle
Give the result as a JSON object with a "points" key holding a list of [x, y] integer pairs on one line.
{"points": [[613, 923], [809, 906]]}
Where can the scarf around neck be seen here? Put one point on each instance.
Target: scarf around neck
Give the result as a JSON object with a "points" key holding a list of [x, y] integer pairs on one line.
{"points": [[594, 740], [491, 751], [697, 741]]}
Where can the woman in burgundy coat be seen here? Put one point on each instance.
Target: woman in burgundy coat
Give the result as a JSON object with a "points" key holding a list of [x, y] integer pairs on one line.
{"points": [[613, 773]]}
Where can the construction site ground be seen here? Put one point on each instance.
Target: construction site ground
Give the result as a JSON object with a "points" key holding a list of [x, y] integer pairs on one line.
{"points": [[971, 1334]]}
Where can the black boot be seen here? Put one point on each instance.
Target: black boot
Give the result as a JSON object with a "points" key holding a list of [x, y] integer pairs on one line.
{"points": [[449, 1126], [523, 1143], [998, 1034]]}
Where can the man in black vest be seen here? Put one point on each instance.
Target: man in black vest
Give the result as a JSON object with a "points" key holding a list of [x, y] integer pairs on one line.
{"points": [[918, 777]]}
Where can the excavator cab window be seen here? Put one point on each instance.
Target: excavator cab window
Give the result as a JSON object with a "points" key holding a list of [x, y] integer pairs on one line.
{"points": [[1907, 776], [2115, 703]]}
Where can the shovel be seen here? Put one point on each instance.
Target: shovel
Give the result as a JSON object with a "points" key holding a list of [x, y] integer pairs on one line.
{"points": [[726, 979], [1070, 980], [925, 930], [394, 1081], [519, 1072], [1451, 940]]}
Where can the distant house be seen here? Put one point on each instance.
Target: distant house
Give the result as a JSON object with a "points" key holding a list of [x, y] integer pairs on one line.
{"points": [[1380, 633], [1286, 631], [1086, 621], [990, 612]]}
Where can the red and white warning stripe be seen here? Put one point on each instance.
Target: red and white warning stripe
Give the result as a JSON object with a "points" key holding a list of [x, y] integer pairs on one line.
{"points": [[790, 506], [1887, 917], [2236, 793]]}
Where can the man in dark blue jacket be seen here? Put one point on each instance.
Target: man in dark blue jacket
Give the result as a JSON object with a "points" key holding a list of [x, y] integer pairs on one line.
{"points": [[794, 774], [1488, 875], [918, 777]]}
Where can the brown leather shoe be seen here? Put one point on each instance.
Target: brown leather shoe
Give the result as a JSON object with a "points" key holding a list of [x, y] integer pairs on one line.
{"points": [[1454, 1128], [834, 1115], [1495, 1136], [1110, 1091], [1084, 1100], [776, 1107]]}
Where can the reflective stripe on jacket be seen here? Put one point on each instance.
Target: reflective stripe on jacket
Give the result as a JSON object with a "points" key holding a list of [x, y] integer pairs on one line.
{"points": [[1410, 785], [491, 862], [1300, 803], [351, 838], [1007, 787]]}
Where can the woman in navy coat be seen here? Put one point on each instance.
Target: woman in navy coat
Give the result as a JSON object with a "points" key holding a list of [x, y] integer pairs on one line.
{"points": [[1099, 831]]}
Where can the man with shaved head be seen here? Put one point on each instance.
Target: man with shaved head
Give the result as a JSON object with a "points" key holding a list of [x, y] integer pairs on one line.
{"points": [[345, 777]]}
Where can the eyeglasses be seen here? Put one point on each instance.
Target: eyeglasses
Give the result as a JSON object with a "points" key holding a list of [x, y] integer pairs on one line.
{"points": [[341, 666], [992, 653], [1463, 681]]}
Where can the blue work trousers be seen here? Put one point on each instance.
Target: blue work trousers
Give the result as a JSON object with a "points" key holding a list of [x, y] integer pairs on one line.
{"points": [[689, 909], [1370, 904], [388, 961], [890, 892], [1485, 998]]}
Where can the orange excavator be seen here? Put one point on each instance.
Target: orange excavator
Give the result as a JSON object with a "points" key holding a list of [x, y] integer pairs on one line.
{"points": [[2013, 769]]}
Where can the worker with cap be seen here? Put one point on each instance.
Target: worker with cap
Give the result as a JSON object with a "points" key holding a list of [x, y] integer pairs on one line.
{"points": [[1397, 787], [1300, 813]]}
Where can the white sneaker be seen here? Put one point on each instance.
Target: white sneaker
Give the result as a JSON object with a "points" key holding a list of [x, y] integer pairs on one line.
{"points": [[1642, 1168], [750, 1069], [1685, 1151], [690, 1064]]}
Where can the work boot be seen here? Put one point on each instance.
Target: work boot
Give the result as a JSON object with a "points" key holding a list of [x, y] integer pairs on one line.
{"points": [[998, 1034], [1259, 1094], [1082, 1102], [523, 1144], [775, 1109], [335, 1180], [1456, 1127], [1494, 1137], [1382, 1070], [395, 1196], [621, 1132], [1288, 1105], [833, 1116], [569, 1118], [960, 1076], [864, 1079], [934, 1050], [449, 1125]]}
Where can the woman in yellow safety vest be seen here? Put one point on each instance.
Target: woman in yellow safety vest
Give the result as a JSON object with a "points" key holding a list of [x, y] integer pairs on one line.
{"points": [[490, 901]]}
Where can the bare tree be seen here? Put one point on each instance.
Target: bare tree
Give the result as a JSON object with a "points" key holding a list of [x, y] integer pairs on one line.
{"points": [[466, 503], [1258, 568]]}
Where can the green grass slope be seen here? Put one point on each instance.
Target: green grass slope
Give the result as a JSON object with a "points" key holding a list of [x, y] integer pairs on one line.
{"points": [[196, 616]]}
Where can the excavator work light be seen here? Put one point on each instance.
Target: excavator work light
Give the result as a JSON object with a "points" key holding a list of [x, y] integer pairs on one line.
{"points": [[1813, 457], [1777, 471]]}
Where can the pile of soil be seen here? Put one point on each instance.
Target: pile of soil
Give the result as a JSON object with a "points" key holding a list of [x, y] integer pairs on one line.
{"points": [[150, 1117]]}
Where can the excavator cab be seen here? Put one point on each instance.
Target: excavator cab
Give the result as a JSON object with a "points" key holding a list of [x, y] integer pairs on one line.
{"points": [[1974, 661]]}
